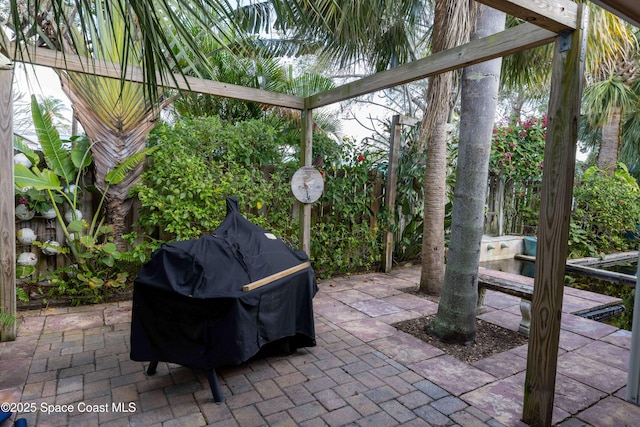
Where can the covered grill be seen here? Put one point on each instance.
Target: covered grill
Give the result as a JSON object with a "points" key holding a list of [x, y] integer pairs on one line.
{"points": [[220, 299]]}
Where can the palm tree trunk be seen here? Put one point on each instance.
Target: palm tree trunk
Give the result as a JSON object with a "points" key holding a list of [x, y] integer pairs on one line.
{"points": [[610, 143], [111, 144], [456, 317], [433, 247], [449, 29]]}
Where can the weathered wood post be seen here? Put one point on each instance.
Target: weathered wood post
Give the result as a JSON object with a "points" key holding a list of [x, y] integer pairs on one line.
{"points": [[555, 215], [306, 158], [391, 189], [7, 205], [390, 193]]}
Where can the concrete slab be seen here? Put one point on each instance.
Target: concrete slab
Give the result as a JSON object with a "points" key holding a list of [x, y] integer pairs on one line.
{"points": [[337, 311], [502, 365], [375, 308], [607, 354], [451, 374], [406, 349], [592, 373], [620, 338], [585, 327], [611, 412], [503, 400], [502, 318], [368, 329]]}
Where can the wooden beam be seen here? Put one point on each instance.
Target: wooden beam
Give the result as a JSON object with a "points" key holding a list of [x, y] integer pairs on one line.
{"points": [[7, 202], [279, 275], [552, 15], [553, 232], [625, 9], [522, 37], [54, 59]]}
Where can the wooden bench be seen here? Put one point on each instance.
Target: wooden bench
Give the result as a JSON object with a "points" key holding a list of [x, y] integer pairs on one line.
{"points": [[523, 291]]}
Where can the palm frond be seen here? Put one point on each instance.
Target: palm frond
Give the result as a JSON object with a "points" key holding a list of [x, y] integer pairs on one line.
{"points": [[165, 28], [115, 176], [600, 99]]}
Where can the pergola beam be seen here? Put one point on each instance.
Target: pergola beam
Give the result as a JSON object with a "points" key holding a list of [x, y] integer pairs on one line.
{"points": [[54, 59], [625, 9], [553, 15], [524, 36]]}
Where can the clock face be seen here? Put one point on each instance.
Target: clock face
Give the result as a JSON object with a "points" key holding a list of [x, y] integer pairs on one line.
{"points": [[307, 184]]}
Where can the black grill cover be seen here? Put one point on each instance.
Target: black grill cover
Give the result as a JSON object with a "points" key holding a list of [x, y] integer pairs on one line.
{"points": [[189, 307]]}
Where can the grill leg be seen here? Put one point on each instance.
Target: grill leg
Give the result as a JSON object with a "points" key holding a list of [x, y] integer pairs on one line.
{"points": [[153, 365], [215, 387]]}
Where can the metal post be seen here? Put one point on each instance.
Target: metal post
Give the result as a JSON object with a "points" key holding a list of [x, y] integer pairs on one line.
{"points": [[633, 378]]}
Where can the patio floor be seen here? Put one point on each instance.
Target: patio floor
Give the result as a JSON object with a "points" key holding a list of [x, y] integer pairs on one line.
{"points": [[71, 366]]}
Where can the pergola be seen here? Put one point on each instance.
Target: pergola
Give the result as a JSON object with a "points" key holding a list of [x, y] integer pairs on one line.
{"points": [[561, 22]]}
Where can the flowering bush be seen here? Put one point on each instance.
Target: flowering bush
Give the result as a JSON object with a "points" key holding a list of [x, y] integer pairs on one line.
{"points": [[517, 159], [518, 151]]}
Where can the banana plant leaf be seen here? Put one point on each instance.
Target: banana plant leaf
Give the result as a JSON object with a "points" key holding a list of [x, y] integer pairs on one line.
{"points": [[55, 155], [25, 179]]}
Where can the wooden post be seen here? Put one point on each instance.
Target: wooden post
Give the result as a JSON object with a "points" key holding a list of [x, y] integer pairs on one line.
{"points": [[633, 376], [553, 231], [306, 158], [391, 190], [7, 205]]}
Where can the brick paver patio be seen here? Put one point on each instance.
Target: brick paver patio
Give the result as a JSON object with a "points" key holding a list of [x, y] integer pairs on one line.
{"points": [[71, 366]]}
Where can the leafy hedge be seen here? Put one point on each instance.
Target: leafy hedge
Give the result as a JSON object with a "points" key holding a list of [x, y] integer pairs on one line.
{"points": [[606, 213], [199, 162]]}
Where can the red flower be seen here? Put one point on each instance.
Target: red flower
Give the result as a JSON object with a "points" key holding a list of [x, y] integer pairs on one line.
{"points": [[361, 158]]}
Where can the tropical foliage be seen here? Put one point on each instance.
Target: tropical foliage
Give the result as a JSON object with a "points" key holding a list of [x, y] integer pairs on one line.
{"points": [[517, 160], [199, 162], [58, 184], [606, 213]]}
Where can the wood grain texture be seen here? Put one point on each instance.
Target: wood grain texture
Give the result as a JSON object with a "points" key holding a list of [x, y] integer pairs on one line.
{"points": [[7, 206], [53, 59], [270, 279], [306, 153], [522, 37], [553, 231], [553, 15], [391, 191]]}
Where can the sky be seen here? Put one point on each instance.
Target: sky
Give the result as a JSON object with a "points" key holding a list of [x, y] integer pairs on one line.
{"points": [[40, 81]]}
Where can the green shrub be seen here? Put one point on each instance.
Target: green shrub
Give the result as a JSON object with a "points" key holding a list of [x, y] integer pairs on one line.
{"points": [[343, 239], [606, 211], [202, 161]]}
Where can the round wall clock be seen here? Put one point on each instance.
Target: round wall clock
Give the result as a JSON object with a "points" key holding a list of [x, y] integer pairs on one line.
{"points": [[307, 184]]}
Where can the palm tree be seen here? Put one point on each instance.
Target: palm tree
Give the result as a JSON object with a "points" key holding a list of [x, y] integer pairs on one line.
{"points": [[373, 34], [455, 320], [116, 116], [611, 68], [450, 29], [607, 102], [160, 33]]}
